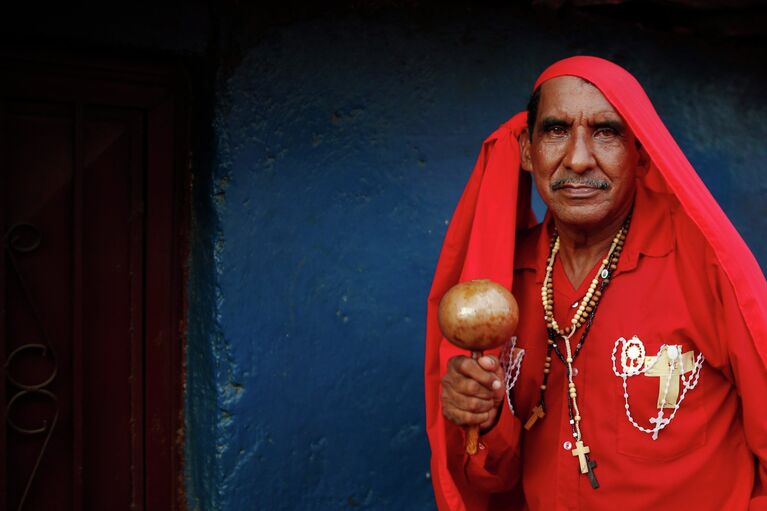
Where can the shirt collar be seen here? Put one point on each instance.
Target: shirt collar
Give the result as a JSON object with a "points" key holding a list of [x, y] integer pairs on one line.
{"points": [[650, 234]]}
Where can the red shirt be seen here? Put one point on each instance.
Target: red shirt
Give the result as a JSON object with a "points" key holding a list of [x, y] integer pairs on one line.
{"points": [[668, 289]]}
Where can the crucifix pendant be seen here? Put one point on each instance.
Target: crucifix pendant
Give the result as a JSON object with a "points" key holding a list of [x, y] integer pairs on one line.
{"points": [[587, 465], [536, 414], [592, 476]]}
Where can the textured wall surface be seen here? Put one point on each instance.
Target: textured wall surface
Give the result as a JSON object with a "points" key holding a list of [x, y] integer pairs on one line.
{"points": [[342, 148]]}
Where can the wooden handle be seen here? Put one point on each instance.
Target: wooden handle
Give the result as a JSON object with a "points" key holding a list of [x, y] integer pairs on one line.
{"points": [[472, 440], [472, 432]]}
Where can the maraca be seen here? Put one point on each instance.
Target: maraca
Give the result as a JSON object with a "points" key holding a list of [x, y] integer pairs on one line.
{"points": [[477, 315]]}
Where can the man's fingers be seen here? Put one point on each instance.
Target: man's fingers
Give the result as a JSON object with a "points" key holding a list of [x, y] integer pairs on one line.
{"points": [[464, 418], [466, 403], [491, 419], [472, 391], [488, 362], [485, 420], [466, 386], [480, 372], [492, 364]]}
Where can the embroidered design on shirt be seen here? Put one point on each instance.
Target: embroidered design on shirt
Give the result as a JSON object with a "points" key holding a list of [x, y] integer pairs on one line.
{"points": [[670, 366], [511, 362]]}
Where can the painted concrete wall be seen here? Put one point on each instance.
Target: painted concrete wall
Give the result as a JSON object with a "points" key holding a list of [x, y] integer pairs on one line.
{"points": [[342, 148]]}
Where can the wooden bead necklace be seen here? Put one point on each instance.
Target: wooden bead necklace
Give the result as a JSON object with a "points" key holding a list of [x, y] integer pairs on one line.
{"points": [[584, 315]]}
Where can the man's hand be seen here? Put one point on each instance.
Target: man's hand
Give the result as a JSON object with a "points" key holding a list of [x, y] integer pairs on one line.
{"points": [[472, 391]]}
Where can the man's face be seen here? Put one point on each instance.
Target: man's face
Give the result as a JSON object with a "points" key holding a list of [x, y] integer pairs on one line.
{"points": [[583, 156]]}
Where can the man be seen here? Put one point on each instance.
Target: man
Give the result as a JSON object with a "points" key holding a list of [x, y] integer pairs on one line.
{"points": [[643, 319]]}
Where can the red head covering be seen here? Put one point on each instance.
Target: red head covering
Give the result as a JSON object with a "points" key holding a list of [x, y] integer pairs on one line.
{"points": [[496, 202]]}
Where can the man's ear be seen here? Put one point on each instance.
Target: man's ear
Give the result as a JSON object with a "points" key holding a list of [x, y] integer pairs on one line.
{"points": [[525, 161], [643, 165]]}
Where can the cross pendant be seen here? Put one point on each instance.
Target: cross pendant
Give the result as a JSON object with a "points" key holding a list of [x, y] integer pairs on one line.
{"points": [[659, 422], [592, 476], [587, 466], [536, 414]]}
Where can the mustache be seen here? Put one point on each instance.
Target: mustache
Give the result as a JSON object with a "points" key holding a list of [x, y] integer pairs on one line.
{"points": [[593, 183]]}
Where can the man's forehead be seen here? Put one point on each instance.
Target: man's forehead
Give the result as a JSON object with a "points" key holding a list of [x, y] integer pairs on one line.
{"points": [[572, 95]]}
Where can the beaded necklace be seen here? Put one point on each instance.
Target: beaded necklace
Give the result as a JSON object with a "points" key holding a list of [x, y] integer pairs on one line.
{"points": [[584, 315]]}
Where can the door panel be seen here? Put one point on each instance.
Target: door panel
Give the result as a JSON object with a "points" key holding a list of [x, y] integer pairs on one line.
{"points": [[112, 303], [83, 230], [37, 236]]}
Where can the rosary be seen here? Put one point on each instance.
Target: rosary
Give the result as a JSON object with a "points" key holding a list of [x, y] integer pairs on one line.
{"points": [[583, 316]]}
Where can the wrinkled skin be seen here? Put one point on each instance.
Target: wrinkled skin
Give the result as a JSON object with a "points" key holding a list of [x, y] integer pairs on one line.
{"points": [[585, 161], [472, 391], [583, 157]]}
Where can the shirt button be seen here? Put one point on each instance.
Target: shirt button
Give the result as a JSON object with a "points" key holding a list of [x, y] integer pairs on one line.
{"points": [[567, 446], [575, 371]]}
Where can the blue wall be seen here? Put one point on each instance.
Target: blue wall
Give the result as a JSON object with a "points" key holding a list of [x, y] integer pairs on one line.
{"points": [[342, 147]]}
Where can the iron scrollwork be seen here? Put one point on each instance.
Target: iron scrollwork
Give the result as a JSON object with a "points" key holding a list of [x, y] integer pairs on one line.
{"points": [[23, 239]]}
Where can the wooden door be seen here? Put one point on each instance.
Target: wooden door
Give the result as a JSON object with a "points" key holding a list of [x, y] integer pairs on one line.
{"points": [[91, 181]]}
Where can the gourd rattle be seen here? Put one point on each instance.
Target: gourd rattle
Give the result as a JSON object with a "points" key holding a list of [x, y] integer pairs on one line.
{"points": [[477, 315]]}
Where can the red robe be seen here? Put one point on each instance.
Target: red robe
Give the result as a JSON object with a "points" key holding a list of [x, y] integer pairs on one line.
{"points": [[481, 243]]}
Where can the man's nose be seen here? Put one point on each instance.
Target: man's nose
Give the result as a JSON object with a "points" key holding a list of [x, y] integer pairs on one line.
{"points": [[579, 157]]}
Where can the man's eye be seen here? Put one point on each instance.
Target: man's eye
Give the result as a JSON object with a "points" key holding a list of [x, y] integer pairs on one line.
{"points": [[606, 133], [557, 131]]}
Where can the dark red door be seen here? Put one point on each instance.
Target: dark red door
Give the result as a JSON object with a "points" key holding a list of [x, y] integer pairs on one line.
{"points": [[90, 172]]}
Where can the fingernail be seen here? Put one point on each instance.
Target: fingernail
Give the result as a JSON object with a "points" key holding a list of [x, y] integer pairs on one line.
{"points": [[496, 384], [488, 361]]}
